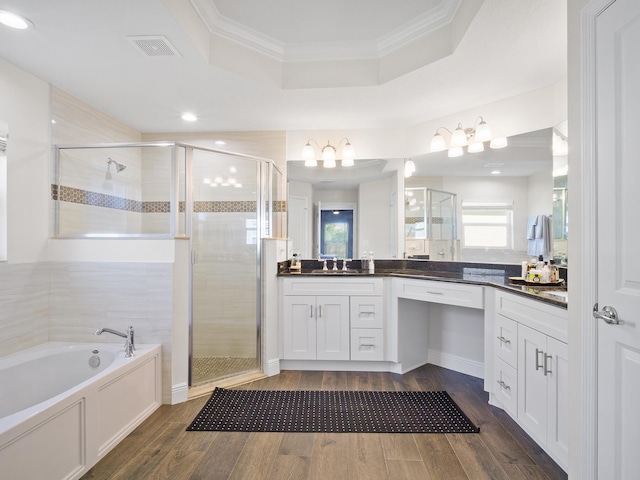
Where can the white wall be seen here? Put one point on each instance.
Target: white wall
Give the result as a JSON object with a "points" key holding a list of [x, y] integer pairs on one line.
{"points": [[540, 194], [24, 108], [374, 218], [24, 281]]}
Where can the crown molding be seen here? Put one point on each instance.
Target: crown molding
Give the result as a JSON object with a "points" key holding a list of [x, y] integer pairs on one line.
{"points": [[374, 49]]}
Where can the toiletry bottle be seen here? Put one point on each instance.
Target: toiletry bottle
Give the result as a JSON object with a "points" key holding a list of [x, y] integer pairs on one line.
{"points": [[546, 273], [371, 264], [525, 269], [540, 263], [554, 274], [295, 264]]}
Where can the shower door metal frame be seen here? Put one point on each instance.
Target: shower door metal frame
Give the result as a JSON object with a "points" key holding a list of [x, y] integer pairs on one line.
{"points": [[264, 171]]}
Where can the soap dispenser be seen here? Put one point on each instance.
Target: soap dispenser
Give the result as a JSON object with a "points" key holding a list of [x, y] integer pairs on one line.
{"points": [[372, 267]]}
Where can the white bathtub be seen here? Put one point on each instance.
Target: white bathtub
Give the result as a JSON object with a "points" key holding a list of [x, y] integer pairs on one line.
{"points": [[60, 413]]}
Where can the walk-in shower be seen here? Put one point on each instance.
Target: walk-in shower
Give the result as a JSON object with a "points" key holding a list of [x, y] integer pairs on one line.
{"points": [[224, 203]]}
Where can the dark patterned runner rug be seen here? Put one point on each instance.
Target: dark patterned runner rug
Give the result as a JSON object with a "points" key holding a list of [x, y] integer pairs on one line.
{"points": [[331, 411]]}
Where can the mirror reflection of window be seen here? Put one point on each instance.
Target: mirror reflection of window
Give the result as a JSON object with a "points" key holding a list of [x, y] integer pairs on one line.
{"points": [[487, 224], [336, 233]]}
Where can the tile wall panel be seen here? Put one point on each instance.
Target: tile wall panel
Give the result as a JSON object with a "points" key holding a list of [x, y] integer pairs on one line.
{"points": [[24, 306], [86, 296]]}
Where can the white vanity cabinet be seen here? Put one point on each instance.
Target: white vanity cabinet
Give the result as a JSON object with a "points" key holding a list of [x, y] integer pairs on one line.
{"points": [[345, 322], [531, 380], [316, 327]]}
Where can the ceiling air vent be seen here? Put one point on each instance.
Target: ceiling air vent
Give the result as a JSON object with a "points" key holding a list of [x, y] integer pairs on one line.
{"points": [[154, 45]]}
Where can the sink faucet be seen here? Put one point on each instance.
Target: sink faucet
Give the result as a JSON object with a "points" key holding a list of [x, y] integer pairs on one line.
{"points": [[129, 345]]}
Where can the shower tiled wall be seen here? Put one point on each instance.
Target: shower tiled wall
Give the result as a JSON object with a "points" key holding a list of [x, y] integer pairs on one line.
{"points": [[24, 306], [88, 295]]}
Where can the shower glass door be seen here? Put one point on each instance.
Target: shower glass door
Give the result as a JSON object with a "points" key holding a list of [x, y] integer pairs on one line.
{"points": [[225, 245], [442, 225]]}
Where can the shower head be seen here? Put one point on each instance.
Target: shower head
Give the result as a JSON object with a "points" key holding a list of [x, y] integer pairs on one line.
{"points": [[119, 167]]}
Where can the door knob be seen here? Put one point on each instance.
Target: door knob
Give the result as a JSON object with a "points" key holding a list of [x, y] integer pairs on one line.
{"points": [[608, 314]]}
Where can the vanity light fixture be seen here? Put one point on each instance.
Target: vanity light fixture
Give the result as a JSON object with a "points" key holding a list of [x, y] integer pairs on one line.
{"points": [[328, 153], [473, 138], [14, 20]]}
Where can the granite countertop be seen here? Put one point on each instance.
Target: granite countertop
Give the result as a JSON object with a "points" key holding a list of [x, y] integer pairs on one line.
{"points": [[494, 275]]}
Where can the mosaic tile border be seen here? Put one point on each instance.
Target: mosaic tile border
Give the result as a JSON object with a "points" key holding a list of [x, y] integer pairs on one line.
{"points": [[434, 220], [86, 197]]}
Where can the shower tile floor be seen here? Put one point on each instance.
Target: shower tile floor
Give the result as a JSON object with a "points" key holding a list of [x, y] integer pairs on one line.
{"points": [[206, 369]]}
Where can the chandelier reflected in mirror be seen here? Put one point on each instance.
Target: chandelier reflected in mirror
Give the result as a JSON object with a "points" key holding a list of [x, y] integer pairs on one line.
{"points": [[473, 138]]}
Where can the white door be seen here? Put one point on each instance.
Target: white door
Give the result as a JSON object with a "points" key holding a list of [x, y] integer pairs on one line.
{"points": [[618, 223]]}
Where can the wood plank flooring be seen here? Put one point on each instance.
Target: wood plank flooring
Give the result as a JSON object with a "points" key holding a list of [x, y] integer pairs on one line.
{"points": [[161, 448]]}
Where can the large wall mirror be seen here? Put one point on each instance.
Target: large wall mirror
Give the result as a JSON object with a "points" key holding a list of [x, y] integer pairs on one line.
{"points": [[453, 208]]}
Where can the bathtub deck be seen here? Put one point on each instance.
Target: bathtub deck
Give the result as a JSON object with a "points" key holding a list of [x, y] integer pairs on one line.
{"points": [[161, 448]]}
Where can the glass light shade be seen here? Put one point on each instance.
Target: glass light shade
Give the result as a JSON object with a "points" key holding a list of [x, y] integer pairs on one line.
{"points": [[348, 155], [455, 152], [458, 137], [409, 168], [499, 142], [476, 147], [328, 156], [309, 156], [483, 132], [437, 143]]}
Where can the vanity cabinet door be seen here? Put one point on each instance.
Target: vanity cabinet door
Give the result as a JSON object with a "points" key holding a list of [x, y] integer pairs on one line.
{"points": [[558, 399], [299, 327], [332, 340], [532, 382]]}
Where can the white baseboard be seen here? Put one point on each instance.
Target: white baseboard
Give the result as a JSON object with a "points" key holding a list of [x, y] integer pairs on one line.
{"points": [[272, 367], [179, 393], [456, 363]]}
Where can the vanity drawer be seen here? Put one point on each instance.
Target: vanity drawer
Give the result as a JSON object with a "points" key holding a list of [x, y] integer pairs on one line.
{"points": [[506, 340], [448, 293], [506, 387], [366, 312], [367, 344], [548, 319]]}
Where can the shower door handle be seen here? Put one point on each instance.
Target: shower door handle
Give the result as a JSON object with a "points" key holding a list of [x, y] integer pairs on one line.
{"points": [[194, 257]]}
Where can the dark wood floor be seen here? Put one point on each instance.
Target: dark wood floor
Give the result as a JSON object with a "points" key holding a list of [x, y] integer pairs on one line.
{"points": [[160, 448]]}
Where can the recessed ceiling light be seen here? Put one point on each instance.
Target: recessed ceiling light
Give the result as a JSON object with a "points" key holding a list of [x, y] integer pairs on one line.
{"points": [[189, 117], [496, 172], [220, 142], [14, 20]]}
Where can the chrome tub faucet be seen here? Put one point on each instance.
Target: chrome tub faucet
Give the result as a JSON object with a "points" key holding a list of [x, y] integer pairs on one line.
{"points": [[129, 344]]}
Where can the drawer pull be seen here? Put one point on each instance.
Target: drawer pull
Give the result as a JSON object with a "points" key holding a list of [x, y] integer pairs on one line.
{"points": [[503, 385], [538, 352], [504, 340], [434, 293], [366, 314]]}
